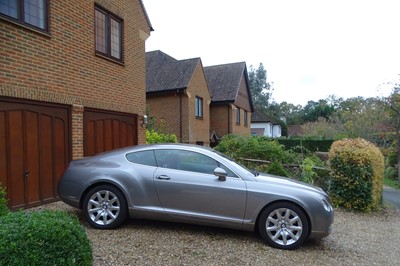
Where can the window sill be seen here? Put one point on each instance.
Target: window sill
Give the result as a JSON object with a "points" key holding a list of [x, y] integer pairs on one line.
{"points": [[110, 59], [25, 26], [199, 117]]}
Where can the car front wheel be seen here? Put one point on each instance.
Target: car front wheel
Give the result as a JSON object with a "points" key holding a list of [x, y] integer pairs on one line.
{"points": [[283, 225], [105, 207]]}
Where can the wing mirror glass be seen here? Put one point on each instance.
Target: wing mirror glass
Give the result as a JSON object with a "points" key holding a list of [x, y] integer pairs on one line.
{"points": [[221, 173]]}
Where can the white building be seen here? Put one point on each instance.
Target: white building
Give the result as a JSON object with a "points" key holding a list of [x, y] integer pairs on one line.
{"points": [[262, 125]]}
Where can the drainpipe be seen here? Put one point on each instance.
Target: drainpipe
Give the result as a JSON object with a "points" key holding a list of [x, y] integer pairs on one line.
{"points": [[229, 119], [180, 116]]}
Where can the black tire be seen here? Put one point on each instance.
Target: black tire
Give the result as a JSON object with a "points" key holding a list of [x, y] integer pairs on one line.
{"points": [[283, 225], [105, 207]]}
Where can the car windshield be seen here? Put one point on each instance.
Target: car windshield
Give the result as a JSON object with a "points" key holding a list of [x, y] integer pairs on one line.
{"points": [[255, 173]]}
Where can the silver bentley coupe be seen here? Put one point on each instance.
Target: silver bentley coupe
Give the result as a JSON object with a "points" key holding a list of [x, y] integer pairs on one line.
{"points": [[198, 185]]}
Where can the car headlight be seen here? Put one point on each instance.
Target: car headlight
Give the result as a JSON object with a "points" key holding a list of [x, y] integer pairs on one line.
{"points": [[327, 205]]}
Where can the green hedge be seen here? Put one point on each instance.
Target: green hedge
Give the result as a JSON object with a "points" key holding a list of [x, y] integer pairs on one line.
{"points": [[43, 238], [312, 145]]}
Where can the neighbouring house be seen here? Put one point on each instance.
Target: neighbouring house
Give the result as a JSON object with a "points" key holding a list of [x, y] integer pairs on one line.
{"points": [[262, 125], [231, 104], [198, 104], [72, 84], [178, 95]]}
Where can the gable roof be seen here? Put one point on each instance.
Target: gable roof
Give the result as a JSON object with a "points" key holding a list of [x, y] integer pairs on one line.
{"points": [[224, 80], [259, 117], [146, 15], [165, 73]]}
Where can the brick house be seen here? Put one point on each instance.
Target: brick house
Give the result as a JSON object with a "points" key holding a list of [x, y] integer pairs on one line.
{"points": [[72, 84], [231, 104], [178, 95], [198, 104]]}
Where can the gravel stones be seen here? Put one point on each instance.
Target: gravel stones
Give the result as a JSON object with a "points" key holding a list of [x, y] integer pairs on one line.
{"points": [[357, 239]]}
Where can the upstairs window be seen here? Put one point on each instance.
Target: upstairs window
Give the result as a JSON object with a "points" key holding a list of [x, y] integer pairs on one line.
{"points": [[238, 116], [32, 13], [199, 107], [108, 34]]}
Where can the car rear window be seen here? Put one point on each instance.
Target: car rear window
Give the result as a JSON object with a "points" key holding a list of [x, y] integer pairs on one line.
{"points": [[142, 157]]}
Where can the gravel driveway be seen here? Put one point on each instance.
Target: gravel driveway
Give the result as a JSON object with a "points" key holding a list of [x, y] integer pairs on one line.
{"points": [[358, 239]]}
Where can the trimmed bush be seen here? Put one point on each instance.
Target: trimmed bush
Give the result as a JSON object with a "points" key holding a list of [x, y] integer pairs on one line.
{"points": [[3, 201], [43, 238], [154, 137], [357, 168]]}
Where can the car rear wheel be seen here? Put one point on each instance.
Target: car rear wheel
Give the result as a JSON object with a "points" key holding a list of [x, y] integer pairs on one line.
{"points": [[283, 225], [105, 207]]}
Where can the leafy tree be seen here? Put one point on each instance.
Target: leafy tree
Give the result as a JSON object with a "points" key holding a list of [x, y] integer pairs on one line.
{"points": [[362, 117], [292, 114], [260, 89], [393, 114], [325, 129], [314, 110]]}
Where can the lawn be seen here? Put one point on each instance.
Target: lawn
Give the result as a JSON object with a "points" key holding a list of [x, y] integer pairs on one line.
{"points": [[391, 183]]}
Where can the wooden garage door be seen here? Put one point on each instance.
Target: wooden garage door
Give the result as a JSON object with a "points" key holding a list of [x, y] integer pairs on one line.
{"points": [[106, 131], [34, 150]]}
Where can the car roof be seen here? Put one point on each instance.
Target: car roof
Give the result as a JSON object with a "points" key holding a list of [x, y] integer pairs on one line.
{"points": [[143, 147]]}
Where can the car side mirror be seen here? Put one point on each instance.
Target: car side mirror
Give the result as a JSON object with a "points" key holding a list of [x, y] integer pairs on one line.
{"points": [[221, 173]]}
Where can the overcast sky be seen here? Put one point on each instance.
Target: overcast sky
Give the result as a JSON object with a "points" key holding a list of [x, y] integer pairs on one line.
{"points": [[310, 48]]}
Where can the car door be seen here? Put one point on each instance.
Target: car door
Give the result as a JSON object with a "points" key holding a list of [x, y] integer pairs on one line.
{"points": [[187, 188]]}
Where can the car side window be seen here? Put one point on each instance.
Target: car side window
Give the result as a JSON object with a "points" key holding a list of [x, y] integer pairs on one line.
{"points": [[228, 171], [188, 161], [142, 157]]}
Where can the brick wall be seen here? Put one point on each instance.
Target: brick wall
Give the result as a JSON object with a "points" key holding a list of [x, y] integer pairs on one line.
{"points": [[62, 67], [241, 128], [219, 121], [223, 123], [199, 128], [166, 109]]}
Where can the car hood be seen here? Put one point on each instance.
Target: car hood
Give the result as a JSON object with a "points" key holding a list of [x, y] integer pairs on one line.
{"points": [[287, 182]]}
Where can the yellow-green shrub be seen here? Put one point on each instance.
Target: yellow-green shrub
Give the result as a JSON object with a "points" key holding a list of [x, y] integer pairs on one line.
{"points": [[357, 168]]}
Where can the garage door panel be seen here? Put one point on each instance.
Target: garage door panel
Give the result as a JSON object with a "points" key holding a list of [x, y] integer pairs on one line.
{"points": [[123, 137], [32, 154], [89, 143], [130, 132], [61, 154], [115, 134], [46, 157], [16, 187], [3, 151]]}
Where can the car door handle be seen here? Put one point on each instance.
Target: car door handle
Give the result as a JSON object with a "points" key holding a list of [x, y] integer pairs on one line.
{"points": [[163, 177]]}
